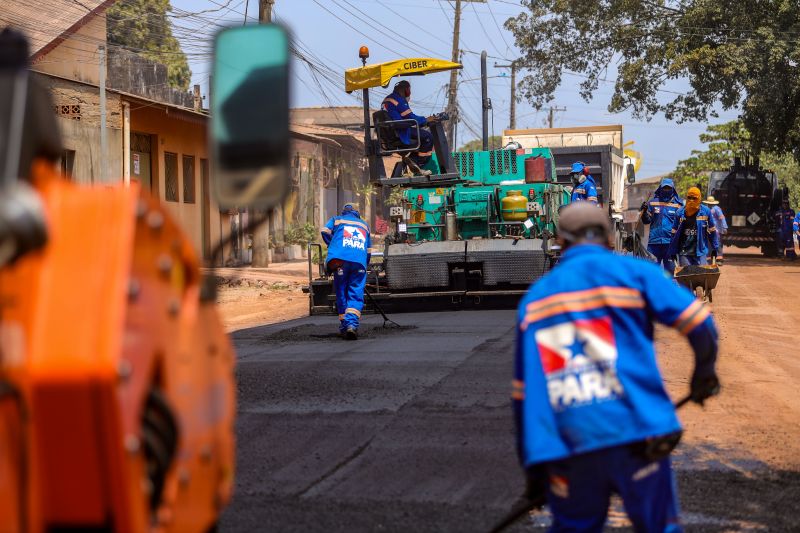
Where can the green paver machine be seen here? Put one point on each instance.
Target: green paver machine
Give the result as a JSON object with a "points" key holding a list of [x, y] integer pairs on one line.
{"points": [[471, 229]]}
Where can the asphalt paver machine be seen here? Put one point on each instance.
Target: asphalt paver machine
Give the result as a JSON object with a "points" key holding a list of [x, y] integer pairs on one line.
{"points": [[471, 229]]}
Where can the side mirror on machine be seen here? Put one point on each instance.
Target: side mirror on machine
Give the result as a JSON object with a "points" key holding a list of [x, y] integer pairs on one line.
{"points": [[249, 134], [630, 174]]}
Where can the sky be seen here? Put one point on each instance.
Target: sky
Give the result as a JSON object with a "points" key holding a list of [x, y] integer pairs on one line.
{"points": [[329, 33]]}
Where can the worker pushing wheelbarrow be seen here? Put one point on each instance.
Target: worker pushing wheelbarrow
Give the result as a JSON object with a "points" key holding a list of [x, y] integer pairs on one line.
{"points": [[694, 238]]}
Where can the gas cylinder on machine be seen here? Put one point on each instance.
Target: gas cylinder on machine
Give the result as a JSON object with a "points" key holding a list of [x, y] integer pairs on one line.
{"points": [[514, 206]]}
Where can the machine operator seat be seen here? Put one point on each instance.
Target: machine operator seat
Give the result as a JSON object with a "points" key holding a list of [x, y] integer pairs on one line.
{"points": [[386, 130]]}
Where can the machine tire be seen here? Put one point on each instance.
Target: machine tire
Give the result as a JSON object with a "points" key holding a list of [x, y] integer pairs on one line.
{"points": [[700, 293]]}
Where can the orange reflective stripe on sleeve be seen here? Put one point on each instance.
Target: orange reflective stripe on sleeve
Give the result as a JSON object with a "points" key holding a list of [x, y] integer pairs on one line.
{"points": [[405, 113], [391, 100], [326, 230], [692, 316]]}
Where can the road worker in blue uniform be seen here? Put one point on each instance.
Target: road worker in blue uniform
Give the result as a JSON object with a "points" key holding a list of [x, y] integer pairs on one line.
{"points": [[694, 233], [719, 221], [348, 240], [396, 104], [593, 417], [660, 213], [785, 218], [584, 188]]}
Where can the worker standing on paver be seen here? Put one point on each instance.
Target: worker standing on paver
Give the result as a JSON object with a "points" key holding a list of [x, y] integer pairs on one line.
{"points": [[348, 240], [785, 218], [694, 233], [660, 213], [584, 187], [720, 222], [592, 414]]}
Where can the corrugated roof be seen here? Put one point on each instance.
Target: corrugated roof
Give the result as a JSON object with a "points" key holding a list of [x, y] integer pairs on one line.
{"points": [[48, 23]]}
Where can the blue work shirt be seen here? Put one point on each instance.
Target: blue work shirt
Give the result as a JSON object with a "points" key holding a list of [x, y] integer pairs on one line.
{"points": [[719, 219], [398, 109], [348, 239], [661, 212], [586, 376], [704, 228], [796, 223], [585, 192]]}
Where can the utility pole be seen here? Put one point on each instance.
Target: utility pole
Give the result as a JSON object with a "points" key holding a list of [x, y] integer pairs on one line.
{"points": [[265, 11], [552, 112], [261, 233], [484, 102], [512, 112], [452, 106], [101, 49]]}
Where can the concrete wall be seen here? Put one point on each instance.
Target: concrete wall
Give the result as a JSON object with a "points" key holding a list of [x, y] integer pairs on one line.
{"points": [[132, 73], [77, 107], [77, 58], [181, 133], [84, 140]]}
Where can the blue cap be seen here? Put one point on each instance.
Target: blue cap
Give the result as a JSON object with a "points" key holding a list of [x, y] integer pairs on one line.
{"points": [[578, 166], [349, 208]]}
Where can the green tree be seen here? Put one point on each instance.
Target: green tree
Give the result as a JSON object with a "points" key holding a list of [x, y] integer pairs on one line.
{"points": [[726, 141], [742, 54], [143, 27], [476, 145]]}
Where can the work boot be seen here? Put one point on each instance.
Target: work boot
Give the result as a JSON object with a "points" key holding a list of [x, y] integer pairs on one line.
{"points": [[351, 334]]}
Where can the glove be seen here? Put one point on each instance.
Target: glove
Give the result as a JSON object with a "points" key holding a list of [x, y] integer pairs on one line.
{"points": [[704, 388], [644, 207], [536, 486]]}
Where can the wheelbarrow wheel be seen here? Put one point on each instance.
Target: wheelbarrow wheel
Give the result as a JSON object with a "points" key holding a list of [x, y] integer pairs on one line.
{"points": [[699, 292], [710, 296]]}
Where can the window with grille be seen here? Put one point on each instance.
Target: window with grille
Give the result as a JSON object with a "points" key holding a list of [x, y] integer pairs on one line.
{"points": [[72, 111], [188, 179], [170, 177]]}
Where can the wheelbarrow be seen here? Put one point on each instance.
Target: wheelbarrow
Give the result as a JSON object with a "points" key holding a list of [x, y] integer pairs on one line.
{"points": [[700, 279]]}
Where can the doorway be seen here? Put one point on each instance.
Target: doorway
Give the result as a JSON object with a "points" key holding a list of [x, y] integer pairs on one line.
{"points": [[141, 160]]}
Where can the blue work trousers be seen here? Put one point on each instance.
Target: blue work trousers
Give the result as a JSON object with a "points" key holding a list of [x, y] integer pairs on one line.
{"points": [[580, 489], [349, 281], [787, 243], [686, 260], [422, 156], [662, 257]]}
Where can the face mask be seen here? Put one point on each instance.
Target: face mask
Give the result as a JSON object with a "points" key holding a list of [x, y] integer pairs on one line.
{"points": [[581, 178], [666, 192], [692, 206]]}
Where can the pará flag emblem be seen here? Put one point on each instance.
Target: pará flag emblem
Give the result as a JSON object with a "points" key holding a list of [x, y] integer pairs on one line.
{"points": [[353, 237], [579, 360]]}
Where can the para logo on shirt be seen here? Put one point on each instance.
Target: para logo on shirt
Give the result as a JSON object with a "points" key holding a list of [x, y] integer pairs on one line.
{"points": [[354, 237], [579, 361]]}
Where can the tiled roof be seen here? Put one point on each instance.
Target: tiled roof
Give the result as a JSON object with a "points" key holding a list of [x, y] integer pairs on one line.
{"points": [[47, 23]]}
